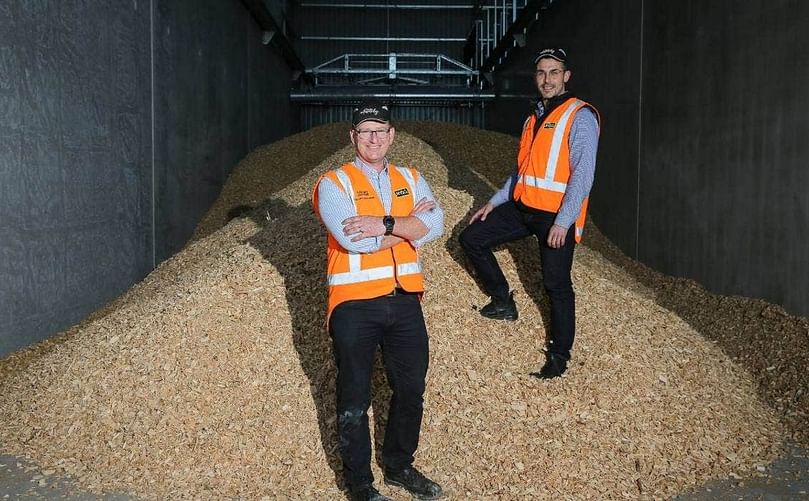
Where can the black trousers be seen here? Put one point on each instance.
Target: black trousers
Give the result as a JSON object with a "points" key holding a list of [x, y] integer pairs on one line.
{"points": [[357, 328], [507, 223]]}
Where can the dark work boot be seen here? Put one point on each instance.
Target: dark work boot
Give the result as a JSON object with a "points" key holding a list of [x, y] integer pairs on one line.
{"points": [[501, 309], [554, 366], [414, 482], [368, 494]]}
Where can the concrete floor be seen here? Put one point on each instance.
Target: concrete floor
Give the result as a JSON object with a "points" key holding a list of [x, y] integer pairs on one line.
{"points": [[787, 478], [22, 479]]}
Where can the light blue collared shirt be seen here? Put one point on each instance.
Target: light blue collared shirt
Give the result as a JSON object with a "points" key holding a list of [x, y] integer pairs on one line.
{"points": [[335, 206]]}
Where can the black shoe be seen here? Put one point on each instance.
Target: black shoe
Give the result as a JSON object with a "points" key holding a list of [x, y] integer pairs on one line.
{"points": [[368, 494], [412, 480], [554, 366], [501, 309]]}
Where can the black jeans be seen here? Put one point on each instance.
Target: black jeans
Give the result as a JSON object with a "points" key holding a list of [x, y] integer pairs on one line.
{"points": [[396, 324], [506, 223]]}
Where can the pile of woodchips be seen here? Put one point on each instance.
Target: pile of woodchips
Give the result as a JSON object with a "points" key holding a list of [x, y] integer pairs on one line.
{"points": [[213, 378]]}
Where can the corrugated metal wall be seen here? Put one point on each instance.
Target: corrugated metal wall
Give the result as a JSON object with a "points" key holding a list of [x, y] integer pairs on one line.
{"points": [[75, 161], [702, 161], [119, 122]]}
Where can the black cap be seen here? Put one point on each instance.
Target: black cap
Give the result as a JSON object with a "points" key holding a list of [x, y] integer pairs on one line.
{"points": [[370, 110], [553, 53]]}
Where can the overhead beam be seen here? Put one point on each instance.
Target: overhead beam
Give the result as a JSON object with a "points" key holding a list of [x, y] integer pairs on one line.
{"points": [[381, 39], [278, 38], [386, 6], [356, 93]]}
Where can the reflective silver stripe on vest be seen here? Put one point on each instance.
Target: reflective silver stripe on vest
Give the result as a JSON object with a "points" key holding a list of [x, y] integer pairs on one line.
{"points": [[408, 269], [546, 184], [355, 273], [346, 182], [353, 277], [579, 231], [354, 262], [556, 143]]}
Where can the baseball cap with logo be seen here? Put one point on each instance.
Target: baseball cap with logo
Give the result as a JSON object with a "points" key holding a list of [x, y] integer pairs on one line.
{"points": [[370, 110], [553, 53]]}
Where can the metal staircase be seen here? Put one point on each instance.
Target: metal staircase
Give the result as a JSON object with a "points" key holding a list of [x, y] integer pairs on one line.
{"points": [[501, 26]]}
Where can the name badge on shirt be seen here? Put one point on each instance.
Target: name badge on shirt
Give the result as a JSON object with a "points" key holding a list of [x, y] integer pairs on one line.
{"points": [[401, 193], [549, 125]]}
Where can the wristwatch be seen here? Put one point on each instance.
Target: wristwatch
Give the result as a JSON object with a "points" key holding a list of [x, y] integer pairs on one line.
{"points": [[388, 221]]}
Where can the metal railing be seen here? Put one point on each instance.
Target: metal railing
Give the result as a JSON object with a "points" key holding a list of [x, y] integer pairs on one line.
{"points": [[500, 26], [407, 69], [494, 21]]}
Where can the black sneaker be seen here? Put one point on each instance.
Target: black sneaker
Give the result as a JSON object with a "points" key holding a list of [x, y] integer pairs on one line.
{"points": [[554, 366], [414, 482], [368, 494], [501, 309]]}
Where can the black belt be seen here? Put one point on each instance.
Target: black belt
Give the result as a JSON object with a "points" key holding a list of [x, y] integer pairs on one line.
{"points": [[398, 291], [530, 210]]}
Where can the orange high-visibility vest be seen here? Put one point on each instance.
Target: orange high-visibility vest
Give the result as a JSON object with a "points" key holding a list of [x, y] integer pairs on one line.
{"points": [[354, 276], [543, 161]]}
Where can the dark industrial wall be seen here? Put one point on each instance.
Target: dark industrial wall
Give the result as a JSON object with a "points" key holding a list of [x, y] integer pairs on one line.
{"points": [[75, 161], [703, 154], [118, 124], [724, 150], [218, 93]]}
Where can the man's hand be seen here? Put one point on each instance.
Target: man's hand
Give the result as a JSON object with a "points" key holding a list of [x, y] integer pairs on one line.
{"points": [[482, 213], [423, 205], [372, 226], [363, 227], [556, 236]]}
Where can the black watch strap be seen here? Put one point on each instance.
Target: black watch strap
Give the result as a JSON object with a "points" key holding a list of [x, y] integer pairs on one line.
{"points": [[388, 221]]}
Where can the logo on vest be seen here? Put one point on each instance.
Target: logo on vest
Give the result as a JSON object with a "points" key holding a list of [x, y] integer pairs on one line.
{"points": [[362, 195], [401, 193], [549, 125]]}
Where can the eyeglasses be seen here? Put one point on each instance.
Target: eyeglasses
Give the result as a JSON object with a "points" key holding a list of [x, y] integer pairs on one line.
{"points": [[366, 134], [553, 73]]}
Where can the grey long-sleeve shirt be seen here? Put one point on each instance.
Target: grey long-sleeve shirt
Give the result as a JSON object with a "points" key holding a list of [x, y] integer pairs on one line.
{"points": [[583, 144], [335, 206]]}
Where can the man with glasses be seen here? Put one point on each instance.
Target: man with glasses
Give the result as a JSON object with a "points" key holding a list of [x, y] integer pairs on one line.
{"points": [[377, 216], [546, 196]]}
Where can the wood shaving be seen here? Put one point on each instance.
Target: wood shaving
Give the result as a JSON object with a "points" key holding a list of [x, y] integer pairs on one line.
{"points": [[213, 377]]}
